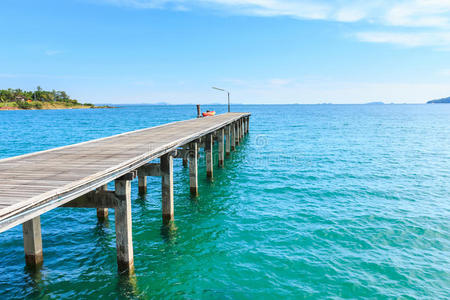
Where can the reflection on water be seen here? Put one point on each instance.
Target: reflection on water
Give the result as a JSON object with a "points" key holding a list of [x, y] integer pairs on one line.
{"points": [[34, 279], [169, 232], [128, 288]]}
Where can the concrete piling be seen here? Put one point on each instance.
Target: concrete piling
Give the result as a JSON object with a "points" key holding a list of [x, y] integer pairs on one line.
{"points": [[167, 187], [209, 155], [221, 144], [102, 213], [193, 168], [32, 240], [124, 238], [227, 139]]}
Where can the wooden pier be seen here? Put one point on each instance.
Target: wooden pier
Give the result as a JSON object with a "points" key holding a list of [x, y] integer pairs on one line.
{"points": [[77, 176]]}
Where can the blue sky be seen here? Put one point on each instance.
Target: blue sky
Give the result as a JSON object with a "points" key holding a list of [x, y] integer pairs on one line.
{"points": [[263, 51]]}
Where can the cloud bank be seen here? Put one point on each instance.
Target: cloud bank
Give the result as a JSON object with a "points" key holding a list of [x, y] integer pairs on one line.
{"points": [[410, 23]]}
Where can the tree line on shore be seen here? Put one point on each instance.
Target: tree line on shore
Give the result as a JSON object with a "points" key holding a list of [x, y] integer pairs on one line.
{"points": [[34, 99]]}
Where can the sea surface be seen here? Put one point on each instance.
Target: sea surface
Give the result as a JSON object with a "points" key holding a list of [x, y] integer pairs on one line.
{"points": [[318, 201]]}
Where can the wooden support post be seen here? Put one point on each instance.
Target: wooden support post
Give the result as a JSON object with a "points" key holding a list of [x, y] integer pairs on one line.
{"points": [[193, 168], [102, 213], [184, 154], [242, 128], [221, 145], [227, 139], [32, 242], [142, 184], [209, 155], [239, 131], [236, 132], [199, 115], [232, 137], [167, 187], [124, 240]]}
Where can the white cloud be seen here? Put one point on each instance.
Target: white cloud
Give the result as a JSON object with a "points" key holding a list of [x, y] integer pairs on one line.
{"points": [[5, 75], [280, 81], [395, 16], [428, 13], [444, 72], [148, 83], [409, 39], [52, 52], [419, 13]]}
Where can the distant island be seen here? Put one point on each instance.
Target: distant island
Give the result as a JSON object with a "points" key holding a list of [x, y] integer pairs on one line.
{"points": [[443, 100], [17, 99], [375, 103]]}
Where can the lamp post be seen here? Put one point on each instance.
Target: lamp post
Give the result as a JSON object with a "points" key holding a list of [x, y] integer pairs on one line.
{"points": [[216, 88]]}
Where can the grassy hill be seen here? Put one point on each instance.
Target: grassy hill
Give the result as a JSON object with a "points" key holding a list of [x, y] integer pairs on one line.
{"points": [[16, 99]]}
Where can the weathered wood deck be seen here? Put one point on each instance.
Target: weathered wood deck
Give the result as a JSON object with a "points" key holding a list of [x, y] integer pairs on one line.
{"points": [[35, 183]]}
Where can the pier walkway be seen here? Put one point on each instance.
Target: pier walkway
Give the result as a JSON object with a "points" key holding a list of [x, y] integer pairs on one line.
{"points": [[77, 175]]}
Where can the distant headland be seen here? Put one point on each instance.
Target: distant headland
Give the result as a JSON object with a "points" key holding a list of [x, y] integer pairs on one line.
{"points": [[375, 103], [17, 99], [442, 100]]}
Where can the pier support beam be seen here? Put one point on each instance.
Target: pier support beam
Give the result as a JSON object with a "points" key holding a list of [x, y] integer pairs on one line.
{"points": [[185, 156], [124, 240], [193, 168], [32, 242], [227, 140], [142, 184], [239, 131], [232, 137], [242, 128], [246, 125], [209, 155], [236, 132], [221, 136], [102, 213], [166, 166]]}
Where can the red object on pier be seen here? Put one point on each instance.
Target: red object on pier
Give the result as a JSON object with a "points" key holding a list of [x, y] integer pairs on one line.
{"points": [[209, 113]]}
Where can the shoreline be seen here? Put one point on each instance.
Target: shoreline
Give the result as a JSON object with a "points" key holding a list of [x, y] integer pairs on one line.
{"points": [[11, 108]]}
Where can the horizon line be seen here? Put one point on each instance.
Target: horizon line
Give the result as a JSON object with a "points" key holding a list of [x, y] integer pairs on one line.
{"points": [[174, 104]]}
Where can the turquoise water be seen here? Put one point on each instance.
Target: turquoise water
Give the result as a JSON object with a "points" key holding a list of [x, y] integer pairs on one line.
{"points": [[319, 201]]}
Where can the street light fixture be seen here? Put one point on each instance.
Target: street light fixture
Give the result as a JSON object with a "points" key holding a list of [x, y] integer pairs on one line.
{"points": [[216, 88]]}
